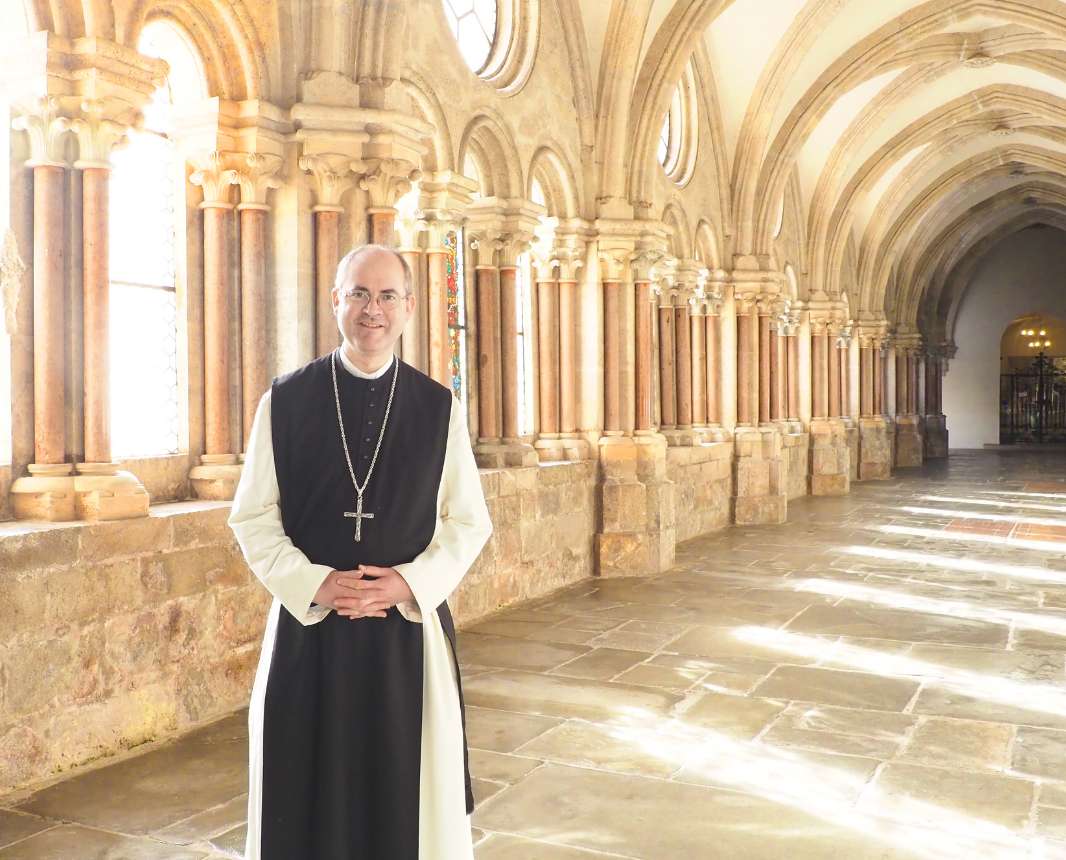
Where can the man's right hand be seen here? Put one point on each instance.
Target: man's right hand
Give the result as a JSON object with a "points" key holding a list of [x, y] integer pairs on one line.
{"points": [[333, 589]]}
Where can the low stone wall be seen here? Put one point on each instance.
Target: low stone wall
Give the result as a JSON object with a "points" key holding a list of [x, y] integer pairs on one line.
{"points": [[797, 458], [544, 523], [702, 476], [114, 634]]}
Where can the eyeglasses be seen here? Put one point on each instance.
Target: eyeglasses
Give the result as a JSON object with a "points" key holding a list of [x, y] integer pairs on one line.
{"points": [[360, 297]]}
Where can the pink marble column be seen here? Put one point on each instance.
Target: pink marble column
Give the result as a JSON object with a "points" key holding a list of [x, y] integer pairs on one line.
{"points": [[833, 367], [712, 324], [440, 351], [255, 374], [746, 414], [96, 291], [764, 363], [819, 373], [645, 320], [548, 351], [778, 375], [866, 380], [509, 350], [612, 357], [698, 337], [793, 374], [569, 339], [488, 347], [902, 380], [667, 364], [327, 255], [683, 364]]}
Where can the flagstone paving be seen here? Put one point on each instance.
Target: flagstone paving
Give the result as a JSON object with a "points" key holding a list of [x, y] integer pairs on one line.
{"points": [[881, 677]]}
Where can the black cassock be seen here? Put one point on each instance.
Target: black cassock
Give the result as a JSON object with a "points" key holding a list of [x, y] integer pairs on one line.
{"points": [[342, 713]]}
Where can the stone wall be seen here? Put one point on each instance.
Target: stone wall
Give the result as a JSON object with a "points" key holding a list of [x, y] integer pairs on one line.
{"points": [[544, 522], [117, 633], [114, 634], [797, 460], [702, 477]]}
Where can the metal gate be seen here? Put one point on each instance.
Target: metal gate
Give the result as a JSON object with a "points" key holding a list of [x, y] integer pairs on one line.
{"points": [[1032, 404]]}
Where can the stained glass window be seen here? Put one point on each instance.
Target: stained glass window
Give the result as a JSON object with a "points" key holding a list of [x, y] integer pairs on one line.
{"points": [[456, 280]]}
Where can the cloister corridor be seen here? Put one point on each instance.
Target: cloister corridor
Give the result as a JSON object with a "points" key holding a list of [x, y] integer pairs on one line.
{"points": [[881, 677]]}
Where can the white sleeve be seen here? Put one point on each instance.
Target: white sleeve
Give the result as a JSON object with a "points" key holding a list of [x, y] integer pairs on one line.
{"points": [[255, 518], [463, 526]]}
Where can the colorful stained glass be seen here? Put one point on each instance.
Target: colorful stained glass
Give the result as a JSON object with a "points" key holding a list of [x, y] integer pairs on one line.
{"points": [[456, 278]]}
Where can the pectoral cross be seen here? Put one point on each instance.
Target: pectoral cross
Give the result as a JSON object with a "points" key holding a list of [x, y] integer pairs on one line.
{"points": [[359, 517]]}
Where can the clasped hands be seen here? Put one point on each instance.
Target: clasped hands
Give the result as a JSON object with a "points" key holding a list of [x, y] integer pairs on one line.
{"points": [[365, 592]]}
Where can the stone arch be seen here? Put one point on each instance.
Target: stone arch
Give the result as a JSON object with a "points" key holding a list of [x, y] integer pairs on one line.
{"points": [[708, 248], [223, 32], [555, 176], [885, 49], [439, 155], [792, 283], [490, 144], [679, 241]]}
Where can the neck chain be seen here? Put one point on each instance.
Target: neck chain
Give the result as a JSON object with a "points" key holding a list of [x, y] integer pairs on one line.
{"points": [[358, 514]]}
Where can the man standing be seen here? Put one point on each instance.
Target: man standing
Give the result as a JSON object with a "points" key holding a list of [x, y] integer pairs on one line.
{"points": [[360, 509]]}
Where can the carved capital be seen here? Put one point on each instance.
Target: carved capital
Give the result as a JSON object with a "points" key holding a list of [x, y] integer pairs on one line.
{"points": [[215, 176], [256, 176], [98, 136], [46, 128], [386, 180], [330, 175]]}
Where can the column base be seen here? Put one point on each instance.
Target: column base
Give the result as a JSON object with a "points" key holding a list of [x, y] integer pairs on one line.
{"points": [[47, 493], [758, 477], [875, 449], [715, 433], [636, 534], [830, 462], [550, 449], [936, 437], [103, 492], [909, 443], [506, 454], [216, 478], [680, 437]]}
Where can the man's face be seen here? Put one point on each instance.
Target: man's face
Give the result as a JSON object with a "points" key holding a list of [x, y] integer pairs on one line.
{"points": [[371, 304]]}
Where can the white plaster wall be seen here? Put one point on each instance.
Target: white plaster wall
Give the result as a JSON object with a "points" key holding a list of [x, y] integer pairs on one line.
{"points": [[1024, 273]]}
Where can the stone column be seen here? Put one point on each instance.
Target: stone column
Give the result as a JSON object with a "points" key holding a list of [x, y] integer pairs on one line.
{"points": [[909, 441], [778, 372], [256, 177], [48, 491], [936, 432], [508, 310], [570, 260], [645, 355], [217, 475], [439, 345], [792, 357], [713, 324], [490, 393], [819, 370], [548, 445], [765, 308], [635, 533], [667, 362], [833, 368], [879, 378], [683, 366], [698, 337], [413, 342], [102, 492], [746, 410], [331, 179], [875, 444]]}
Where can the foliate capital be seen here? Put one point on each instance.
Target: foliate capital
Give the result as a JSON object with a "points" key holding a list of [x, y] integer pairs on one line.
{"points": [[385, 180], [256, 176], [214, 175], [46, 125], [98, 136], [330, 176]]}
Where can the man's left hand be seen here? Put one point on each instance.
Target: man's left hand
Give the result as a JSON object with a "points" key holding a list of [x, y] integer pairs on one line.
{"points": [[380, 588]]}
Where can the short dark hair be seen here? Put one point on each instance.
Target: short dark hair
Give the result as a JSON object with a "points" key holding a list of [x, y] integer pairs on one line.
{"points": [[349, 258]]}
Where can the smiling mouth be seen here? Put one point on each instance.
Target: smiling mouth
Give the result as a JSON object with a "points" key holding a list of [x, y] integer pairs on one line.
{"points": [[371, 325]]}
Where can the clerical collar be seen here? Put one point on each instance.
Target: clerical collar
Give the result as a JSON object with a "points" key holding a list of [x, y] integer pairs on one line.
{"points": [[362, 374]]}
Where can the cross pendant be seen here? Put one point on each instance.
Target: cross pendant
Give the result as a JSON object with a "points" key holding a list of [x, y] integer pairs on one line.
{"points": [[359, 517]]}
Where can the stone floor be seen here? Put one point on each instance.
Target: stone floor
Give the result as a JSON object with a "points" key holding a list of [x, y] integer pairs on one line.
{"points": [[882, 677]]}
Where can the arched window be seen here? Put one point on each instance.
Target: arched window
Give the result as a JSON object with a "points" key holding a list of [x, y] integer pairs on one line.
{"points": [[473, 24], [147, 182], [678, 134]]}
